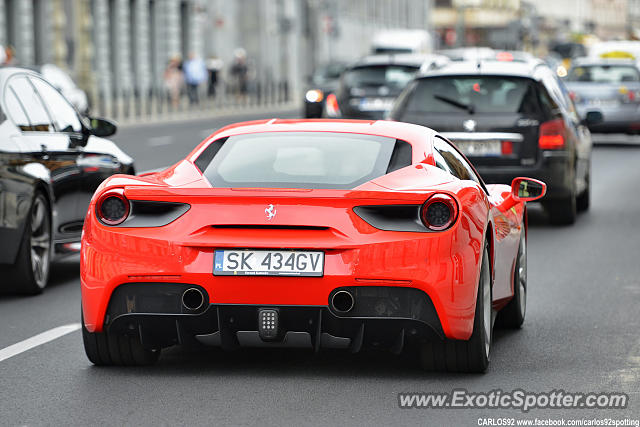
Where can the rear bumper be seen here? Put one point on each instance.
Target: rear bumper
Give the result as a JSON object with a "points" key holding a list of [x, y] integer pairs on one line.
{"points": [[383, 317], [553, 168]]}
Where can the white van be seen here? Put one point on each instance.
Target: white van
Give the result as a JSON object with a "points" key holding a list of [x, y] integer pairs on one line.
{"points": [[402, 41]]}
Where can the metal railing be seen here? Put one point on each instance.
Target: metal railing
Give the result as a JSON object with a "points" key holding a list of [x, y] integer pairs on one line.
{"points": [[156, 104]]}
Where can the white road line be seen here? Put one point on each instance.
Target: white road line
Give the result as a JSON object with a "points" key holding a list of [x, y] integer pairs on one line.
{"points": [[158, 141], [37, 340]]}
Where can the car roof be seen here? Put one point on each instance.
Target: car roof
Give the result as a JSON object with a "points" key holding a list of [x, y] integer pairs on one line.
{"points": [[409, 59], [6, 72], [420, 137], [488, 67]]}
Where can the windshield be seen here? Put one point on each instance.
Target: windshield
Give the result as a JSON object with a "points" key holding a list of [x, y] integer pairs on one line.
{"points": [[304, 160], [396, 76], [470, 94], [327, 73], [604, 74]]}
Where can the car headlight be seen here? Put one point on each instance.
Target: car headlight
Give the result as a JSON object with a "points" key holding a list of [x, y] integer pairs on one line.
{"points": [[314, 95]]}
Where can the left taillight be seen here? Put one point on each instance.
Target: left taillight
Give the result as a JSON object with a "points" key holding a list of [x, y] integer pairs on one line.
{"points": [[552, 135], [112, 208], [439, 212]]}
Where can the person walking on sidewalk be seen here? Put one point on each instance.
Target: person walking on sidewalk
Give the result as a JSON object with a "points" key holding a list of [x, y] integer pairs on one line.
{"points": [[195, 73]]}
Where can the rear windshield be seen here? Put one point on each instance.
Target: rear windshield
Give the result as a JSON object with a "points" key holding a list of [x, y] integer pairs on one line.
{"points": [[470, 94], [302, 160], [380, 75], [604, 74]]}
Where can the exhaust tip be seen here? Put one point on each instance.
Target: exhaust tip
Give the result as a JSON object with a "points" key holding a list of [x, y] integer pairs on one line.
{"points": [[192, 299], [342, 301]]}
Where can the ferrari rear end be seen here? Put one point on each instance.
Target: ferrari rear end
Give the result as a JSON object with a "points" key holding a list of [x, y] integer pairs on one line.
{"points": [[334, 260]]}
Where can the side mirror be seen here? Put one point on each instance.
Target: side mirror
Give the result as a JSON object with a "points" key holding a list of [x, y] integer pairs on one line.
{"points": [[593, 118], [102, 127], [527, 189]]}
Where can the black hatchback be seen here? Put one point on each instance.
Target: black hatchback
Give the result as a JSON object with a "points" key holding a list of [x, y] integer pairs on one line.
{"points": [[510, 119]]}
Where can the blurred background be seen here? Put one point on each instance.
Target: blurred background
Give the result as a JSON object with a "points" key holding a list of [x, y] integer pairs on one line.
{"points": [[128, 57]]}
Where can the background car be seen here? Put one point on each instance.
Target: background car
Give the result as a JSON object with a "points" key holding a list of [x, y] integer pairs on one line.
{"points": [[510, 119], [323, 81], [324, 234], [368, 88], [610, 86], [51, 162], [62, 81]]}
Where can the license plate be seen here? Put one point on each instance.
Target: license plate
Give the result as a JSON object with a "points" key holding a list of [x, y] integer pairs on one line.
{"points": [[602, 103], [376, 104], [249, 262], [480, 148]]}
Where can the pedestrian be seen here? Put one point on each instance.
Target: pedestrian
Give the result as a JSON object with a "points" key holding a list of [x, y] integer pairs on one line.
{"points": [[195, 73], [240, 73], [214, 65], [173, 80]]}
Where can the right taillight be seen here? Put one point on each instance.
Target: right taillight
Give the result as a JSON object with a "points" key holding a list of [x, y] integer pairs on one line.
{"points": [[552, 135], [333, 109], [439, 212], [112, 208]]}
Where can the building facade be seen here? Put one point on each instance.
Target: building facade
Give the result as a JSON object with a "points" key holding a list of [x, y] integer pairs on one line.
{"points": [[119, 48]]}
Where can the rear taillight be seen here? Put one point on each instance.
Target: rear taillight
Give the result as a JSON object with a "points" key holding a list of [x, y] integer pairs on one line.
{"points": [[552, 135], [112, 208], [439, 212], [506, 148], [333, 109]]}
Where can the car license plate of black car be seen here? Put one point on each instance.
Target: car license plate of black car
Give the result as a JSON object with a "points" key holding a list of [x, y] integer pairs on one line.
{"points": [[254, 262], [479, 148]]}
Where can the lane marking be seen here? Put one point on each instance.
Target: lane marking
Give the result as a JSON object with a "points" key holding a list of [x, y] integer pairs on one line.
{"points": [[37, 340], [159, 141], [153, 170]]}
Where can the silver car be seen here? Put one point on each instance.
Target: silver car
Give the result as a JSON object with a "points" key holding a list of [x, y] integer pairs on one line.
{"points": [[610, 86]]}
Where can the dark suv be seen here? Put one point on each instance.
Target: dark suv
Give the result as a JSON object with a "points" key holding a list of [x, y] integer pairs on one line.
{"points": [[368, 88], [510, 119]]}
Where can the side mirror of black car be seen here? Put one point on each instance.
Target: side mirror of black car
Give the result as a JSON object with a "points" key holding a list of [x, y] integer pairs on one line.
{"points": [[593, 118], [102, 127]]}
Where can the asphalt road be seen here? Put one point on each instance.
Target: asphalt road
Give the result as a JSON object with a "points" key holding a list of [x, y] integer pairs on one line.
{"points": [[581, 335]]}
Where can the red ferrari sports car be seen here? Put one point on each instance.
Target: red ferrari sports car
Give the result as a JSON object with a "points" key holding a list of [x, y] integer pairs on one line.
{"points": [[307, 233]]}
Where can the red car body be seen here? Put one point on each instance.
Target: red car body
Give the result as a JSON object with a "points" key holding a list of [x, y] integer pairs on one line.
{"points": [[445, 265]]}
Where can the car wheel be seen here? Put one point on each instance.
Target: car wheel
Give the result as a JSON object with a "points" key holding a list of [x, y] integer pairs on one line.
{"points": [[583, 201], [472, 355], [512, 316], [30, 273], [104, 349], [562, 211]]}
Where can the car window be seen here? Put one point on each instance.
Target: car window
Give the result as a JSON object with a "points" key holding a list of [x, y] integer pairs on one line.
{"points": [[64, 115], [37, 115], [457, 164], [604, 74], [480, 94], [329, 160], [15, 110], [379, 75]]}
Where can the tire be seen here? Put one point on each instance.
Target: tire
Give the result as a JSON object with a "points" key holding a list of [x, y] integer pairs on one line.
{"points": [[512, 316], [105, 349], [472, 355], [30, 272], [562, 211], [584, 200]]}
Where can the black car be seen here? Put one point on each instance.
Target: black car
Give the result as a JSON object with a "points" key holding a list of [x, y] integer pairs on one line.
{"points": [[51, 162], [368, 88], [323, 82], [510, 119]]}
